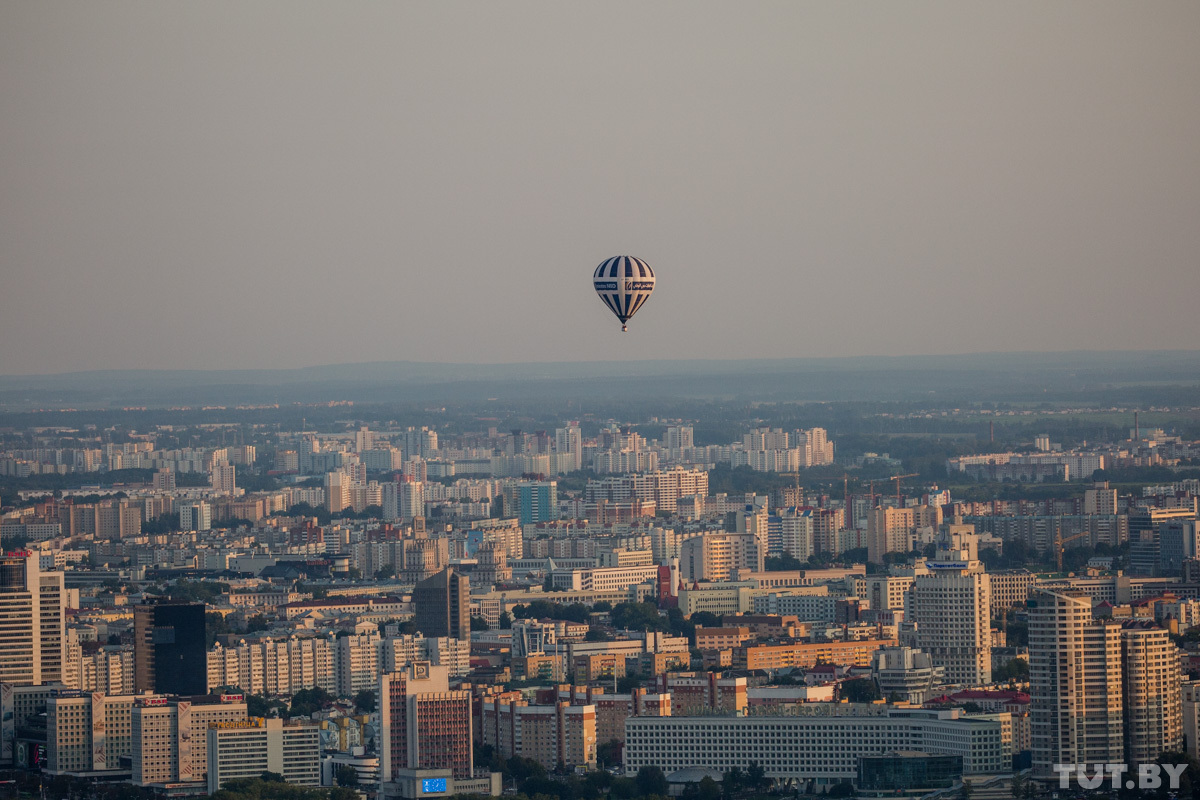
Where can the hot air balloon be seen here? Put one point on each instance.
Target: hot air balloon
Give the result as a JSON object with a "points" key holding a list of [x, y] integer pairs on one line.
{"points": [[624, 283]]}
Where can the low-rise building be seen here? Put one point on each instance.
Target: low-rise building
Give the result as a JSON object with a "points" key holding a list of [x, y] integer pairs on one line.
{"points": [[248, 748]]}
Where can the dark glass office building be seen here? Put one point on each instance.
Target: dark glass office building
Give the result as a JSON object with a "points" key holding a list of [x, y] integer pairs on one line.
{"points": [[908, 771], [169, 654]]}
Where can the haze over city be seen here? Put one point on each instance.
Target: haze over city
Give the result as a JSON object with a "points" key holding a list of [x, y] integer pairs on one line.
{"points": [[232, 185], [327, 471]]}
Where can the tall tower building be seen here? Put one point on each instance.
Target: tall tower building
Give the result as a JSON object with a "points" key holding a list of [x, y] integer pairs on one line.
{"points": [[411, 494], [532, 502], [1153, 692], [195, 515], [363, 439], [223, 478], [423, 724], [442, 605], [169, 653], [889, 530], [1076, 713], [568, 441], [952, 608], [32, 626]]}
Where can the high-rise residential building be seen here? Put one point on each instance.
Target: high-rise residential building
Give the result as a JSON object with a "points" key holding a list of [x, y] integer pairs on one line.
{"points": [[195, 515], [797, 535], [403, 499], [1100, 499], [358, 662], [568, 442], [419, 443], [164, 479], [337, 491], [423, 724], [442, 605], [952, 607], [276, 667], [718, 556], [363, 439], [170, 738], [561, 733], [223, 478], [679, 437], [1191, 717], [109, 671], [532, 502], [32, 621], [889, 530], [1076, 714], [248, 748], [1152, 680], [411, 495], [169, 648]]}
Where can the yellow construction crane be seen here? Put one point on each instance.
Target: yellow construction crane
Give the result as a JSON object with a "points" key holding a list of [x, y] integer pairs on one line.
{"points": [[897, 479], [1059, 541]]}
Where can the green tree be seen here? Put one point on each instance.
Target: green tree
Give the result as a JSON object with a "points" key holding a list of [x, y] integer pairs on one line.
{"points": [[505, 620], [756, 776], [651, 780], [479, 624], [215, 625], [307, 702], [1017, 786], [860, 690], [364, 701], [608, 754], [708, 789], [346, 776]]}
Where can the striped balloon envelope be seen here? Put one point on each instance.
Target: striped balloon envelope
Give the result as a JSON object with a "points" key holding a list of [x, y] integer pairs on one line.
{"points": [[624, 283]]}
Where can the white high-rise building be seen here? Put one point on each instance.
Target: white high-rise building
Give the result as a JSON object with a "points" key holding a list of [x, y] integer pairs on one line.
{"points": [[952, 607], [1153, 683], [679, 437], [32, 622], [223, 478], [569, 441], [412, 499], [1074, 682], [195, 516]]}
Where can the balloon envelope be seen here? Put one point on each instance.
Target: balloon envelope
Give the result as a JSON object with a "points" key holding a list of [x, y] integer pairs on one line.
{"points": [[624, 283]]}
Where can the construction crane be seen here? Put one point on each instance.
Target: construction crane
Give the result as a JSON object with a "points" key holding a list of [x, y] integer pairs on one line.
{"points": [[1059, 541], [795, 475], [897, 479]]}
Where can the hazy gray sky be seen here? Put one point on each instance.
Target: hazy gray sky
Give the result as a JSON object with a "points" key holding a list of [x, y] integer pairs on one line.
{"points": [[252, 184]]}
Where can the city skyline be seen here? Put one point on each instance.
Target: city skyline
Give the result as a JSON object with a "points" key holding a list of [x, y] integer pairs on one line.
{"points": [[187, 187]]}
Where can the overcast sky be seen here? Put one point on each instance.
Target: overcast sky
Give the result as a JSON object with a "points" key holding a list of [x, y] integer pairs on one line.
{"points": [[253, 184]]}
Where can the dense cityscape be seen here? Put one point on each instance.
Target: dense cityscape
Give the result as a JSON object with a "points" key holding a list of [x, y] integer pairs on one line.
{"points": [[603, 607], [541, 400]]}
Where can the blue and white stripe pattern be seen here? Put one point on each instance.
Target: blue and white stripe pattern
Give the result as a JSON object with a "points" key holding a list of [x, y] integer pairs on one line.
{"points": [[624, 283]]}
